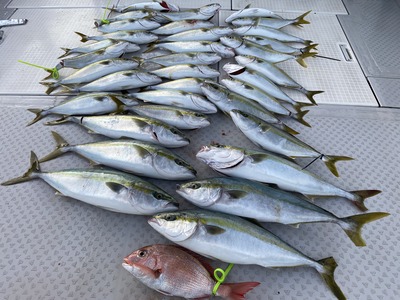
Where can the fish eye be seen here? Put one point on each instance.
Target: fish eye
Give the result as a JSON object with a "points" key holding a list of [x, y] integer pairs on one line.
{"points": [[170, 218], [142, 253], [158, 196], [198, 115], [195, 186], [179, 162], [174, 131], [244, 114]]}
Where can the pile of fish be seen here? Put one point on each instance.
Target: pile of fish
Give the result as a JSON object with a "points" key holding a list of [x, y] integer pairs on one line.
{"points": [[149, 75]]}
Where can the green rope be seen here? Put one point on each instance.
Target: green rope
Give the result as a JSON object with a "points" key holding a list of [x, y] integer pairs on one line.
{"points": [[220, 276], [54, 71], [104, 20]]}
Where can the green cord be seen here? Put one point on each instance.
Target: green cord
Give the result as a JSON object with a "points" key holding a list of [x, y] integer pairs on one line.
{"points": [[220, 279], [104, 20], [54, 71]]}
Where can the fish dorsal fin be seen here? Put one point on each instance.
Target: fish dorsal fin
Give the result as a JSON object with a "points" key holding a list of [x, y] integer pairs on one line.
{"points": [[214, 230], [116, 187], [247, 6]]}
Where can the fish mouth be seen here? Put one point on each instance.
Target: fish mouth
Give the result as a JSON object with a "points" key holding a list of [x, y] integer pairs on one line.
{"points": [[153, 221], [204, 149]]}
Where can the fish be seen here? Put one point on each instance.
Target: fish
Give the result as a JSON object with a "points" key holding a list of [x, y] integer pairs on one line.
{"points": [[226, 101], [118, 81], [130, 15], [194, 58], [245, 47], [203, 34], [187, 70], [105, 188], [181, 26], [268, 168], [278, 141], [235, 240], [252, 12], [205, 12], [177, 117], [151, 5], [274, 73], [140, 158], [92, 72], [82, 60], [133, 36], [88, 48], [179, 99], [262, 203], [174, 271], [85, 104], [272, 22], [190, 85], [266, 101], [133, 127], [141, 24], [196, 46]]}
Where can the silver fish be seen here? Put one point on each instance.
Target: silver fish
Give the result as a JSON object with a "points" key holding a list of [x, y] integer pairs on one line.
{"points": [[177, 117], [134, 127], [184, 71], [155, 5], [205, 12], [134, 36], [179, 99], [194, 58], [278, 45], [203, 34], [235, 240], [272, 22], [86, 104], [189, 85], [266, 167], [130, 15], [88, 48], [140, 158], [197, 46], [257, 201], [253, 13], [108, 189], [273, 139], [142, 24], [181, 26]]}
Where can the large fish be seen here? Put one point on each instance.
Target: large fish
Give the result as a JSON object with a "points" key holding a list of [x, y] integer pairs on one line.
{"points": [[135, 36], [93, 47], [235, 240], [190, 85], [133, 127], [150, 5], [181, 26], [272, 22], [86, 104], [185, 71], [196, 46], [205, 12], [260, 202], [268, 168], [194, 58], [106, 188], [140, 158], [278, 141], [130, 15], [203, 34], [174, 271], [128, 25], [253, 13]]}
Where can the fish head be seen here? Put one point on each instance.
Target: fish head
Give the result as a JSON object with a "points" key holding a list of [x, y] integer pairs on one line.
{"points": [[221, 31], [126, 100], [210, 9], [242, 30], [201, 193], [214, 91], [233, 69], [232, 41], [220, 156], [169, 166], [243, 120], [117, 48], [244, 59], [142, 263], [243, 21], [221, 50], [167, 135], [209, 72], [148, 24], [148, 78], [175, 226], [203, 104], [169, 6], [195, 119], [208, 58]]}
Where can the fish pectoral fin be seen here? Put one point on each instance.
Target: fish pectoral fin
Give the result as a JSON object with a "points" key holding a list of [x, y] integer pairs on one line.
{"points": [[58, 193], [295, 225], [214, 230], [258, 157], [116, 187], [164, 293], [236, 194]]}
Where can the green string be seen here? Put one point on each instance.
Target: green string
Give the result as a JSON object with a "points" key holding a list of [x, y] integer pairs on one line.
{"points": [[220, 276], [104, 20], [54, 71]]}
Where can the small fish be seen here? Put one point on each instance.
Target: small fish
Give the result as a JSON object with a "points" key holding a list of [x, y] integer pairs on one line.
{"points": [[135, 36], [128, 25], [181, 26], [133, 127], [189, 85], [140, 158], [205, 12], [187, 70], [268, 168], [155, 5], [232, 239], [194, 58], [86, 104], [88, 48], [274, 73], [196, 46], [203, 34], [179, 99], [278, 141], [130, 15], [260, 202], [174, 271], [253, 13], [272, 22], [106, 188], [177, 117]]}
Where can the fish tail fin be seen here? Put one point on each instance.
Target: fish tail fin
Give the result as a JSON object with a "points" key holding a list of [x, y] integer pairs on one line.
{"points": [[308, 48], [39, 115], [151, 47], [360, 197], [300, 19], [310, 95], [67, 52], [289, 129], [299, 117], [300, 58], [235, 291], [299, 105], [84, 37], [51, 86], [50, 76], [331, 160], [352, 225], [329, 265], [61, 148], [28, 175], [64, 119]]}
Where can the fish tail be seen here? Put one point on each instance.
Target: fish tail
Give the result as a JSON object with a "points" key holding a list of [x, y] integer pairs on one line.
{"points": [[29, 175], [235, 291], [39, 115], [300, 19], [360, 197], [299, 105], [61, 148], [300, 58], [289, 129], [151, 47], [331, 160], [67, 52], [308, 48], [329, 265], [84, 37], [64, 119], [310, 95], [51, 86], [352, 225], [299, 117]]}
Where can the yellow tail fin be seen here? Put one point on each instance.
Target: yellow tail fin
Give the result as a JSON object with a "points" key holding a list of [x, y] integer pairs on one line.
{"points": [[331, 160], [300, 19], [329, 265]]}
